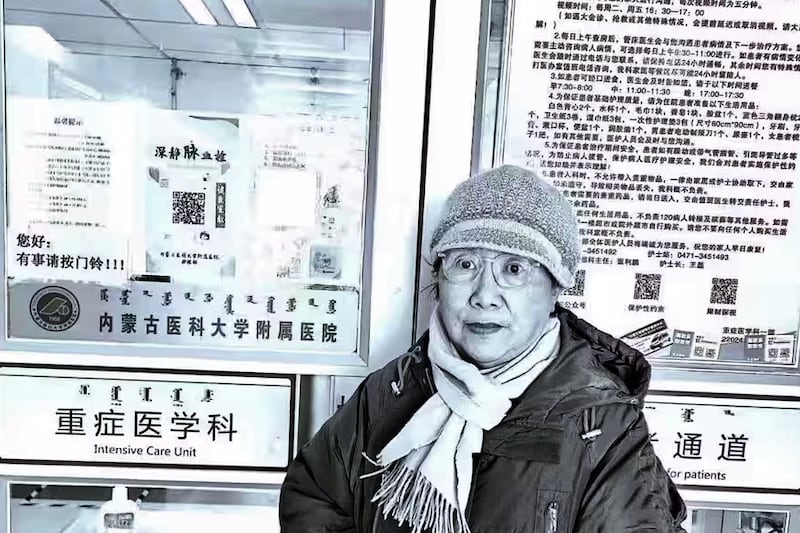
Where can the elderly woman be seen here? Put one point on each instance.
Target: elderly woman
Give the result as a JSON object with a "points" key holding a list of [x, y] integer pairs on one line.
{"points": [[510, 414]]}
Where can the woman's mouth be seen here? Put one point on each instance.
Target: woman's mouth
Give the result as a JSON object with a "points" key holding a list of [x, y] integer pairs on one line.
{"points": [[483, 328]]}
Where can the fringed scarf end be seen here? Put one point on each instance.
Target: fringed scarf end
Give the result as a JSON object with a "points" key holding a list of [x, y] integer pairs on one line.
{"points": [[408, 496]]}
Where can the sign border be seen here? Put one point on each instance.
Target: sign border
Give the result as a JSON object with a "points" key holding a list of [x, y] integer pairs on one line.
{"points": [[293, 410], [735, 400]]}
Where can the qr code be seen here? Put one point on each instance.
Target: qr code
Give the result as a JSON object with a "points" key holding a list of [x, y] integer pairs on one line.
{"points": [[779, 355], [723, 291], [580, 283], [648, 287], [188, 207]]}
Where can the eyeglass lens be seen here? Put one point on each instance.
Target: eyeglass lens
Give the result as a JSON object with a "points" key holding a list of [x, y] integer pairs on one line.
{"points": [[509, 270]]}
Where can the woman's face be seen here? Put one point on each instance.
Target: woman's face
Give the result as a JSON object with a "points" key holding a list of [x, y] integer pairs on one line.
{"points": [[490, 323]]}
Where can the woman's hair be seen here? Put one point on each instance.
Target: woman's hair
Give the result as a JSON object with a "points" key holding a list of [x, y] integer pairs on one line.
{"points": [[433, 287]]}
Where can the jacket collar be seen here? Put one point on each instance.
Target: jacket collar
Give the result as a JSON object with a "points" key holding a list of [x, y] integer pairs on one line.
{"points": [[592, 368]]}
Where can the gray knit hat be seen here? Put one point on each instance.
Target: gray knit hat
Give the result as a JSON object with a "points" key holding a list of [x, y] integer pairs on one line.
{"points": [[511, 209]]}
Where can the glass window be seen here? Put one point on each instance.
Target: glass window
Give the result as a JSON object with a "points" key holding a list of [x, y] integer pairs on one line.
{"points": [[187, 172], [708, 520], [52, 507]]}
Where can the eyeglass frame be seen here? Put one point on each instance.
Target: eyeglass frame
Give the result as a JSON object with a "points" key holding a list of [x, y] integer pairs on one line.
{"points": [[492, 261]]}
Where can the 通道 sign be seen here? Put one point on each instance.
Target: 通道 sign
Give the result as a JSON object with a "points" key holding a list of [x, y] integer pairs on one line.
{"points": [[726, 442], [146, 419]]}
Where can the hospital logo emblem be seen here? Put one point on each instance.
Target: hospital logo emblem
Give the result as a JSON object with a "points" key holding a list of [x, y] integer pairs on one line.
{"points": [[54, 309]]}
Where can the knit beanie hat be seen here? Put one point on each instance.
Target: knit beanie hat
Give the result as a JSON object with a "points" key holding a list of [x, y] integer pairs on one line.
{"points": [[511, 209]]}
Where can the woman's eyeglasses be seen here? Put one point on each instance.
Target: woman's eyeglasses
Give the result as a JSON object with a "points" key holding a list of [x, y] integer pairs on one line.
{"points": [[510, 271]]}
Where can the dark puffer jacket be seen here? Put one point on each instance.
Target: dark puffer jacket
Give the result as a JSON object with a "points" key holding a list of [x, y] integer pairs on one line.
{"points": [[572, 455]]}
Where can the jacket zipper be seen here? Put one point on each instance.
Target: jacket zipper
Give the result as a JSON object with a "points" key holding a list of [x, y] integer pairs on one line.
{"points": [[552, 517]]}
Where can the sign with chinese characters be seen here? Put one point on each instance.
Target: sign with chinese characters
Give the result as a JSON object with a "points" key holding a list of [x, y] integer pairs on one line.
{"points": [[143, 419], [70, 187], [195, 190], [675, 133], [285, 319], [726, 442]]}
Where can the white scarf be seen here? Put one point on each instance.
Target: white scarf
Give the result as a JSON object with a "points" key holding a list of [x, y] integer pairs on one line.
{"points": [[429, 463]]}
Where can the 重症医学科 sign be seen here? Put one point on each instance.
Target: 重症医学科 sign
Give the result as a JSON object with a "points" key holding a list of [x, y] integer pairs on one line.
{"points": [[146, 419]]}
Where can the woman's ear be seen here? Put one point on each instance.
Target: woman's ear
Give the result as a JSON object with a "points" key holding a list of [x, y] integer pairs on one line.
{"points": [[557, 290]]}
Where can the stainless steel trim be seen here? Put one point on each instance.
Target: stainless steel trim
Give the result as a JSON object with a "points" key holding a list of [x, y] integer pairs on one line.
{"points": [[505, 76], [480, 85]]}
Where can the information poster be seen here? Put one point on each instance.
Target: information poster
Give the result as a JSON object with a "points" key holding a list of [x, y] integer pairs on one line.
{"points": [[726, 442], [307, 206], [674, 129], [196, 182], [157, 420], [70, 186]]}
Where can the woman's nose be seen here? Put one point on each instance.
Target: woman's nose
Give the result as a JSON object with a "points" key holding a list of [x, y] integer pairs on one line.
{"points": [[486, 293]]}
